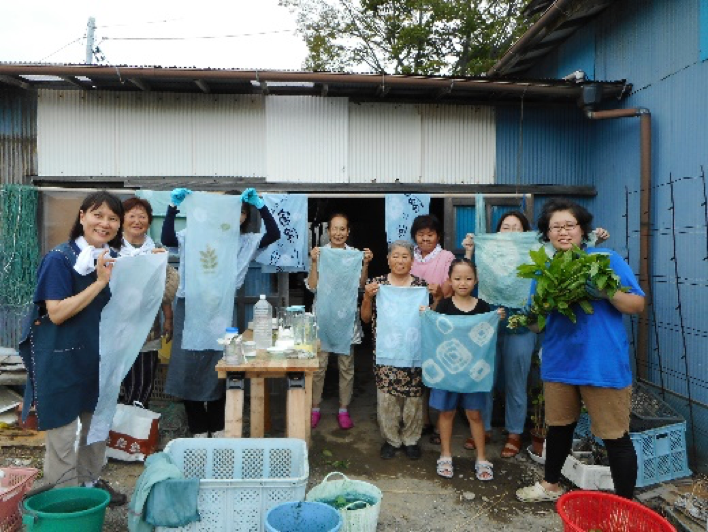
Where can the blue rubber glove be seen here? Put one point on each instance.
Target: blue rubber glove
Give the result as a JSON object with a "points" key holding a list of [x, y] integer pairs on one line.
{"points": [[594, 292], [178, 195], [251, 196]]}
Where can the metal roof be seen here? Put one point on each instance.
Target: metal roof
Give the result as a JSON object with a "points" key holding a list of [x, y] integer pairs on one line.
{"points": [[560, 19], [356, 87]]}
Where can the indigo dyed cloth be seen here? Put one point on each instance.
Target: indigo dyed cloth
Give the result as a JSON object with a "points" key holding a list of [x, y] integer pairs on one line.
{"points": [[339, 273], [459, 351], [248, 247], [401, 210], [398, 325], [291, 252], [173, 503], [137, 285], [210, 260], [497, 256], [480, 215], [159, 201]]}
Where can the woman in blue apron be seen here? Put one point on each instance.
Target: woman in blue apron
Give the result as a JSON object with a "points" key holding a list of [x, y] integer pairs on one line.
{"points": [[191, 375], [60, 346]]}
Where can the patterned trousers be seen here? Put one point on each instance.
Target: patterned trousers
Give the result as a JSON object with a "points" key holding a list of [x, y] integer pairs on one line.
{"points": [[400, 418]]}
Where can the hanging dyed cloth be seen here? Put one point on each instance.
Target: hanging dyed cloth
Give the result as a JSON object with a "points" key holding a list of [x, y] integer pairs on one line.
{"points": [[290, 253], [459, 351], [401, 210], [497, 256], [248, 247], [210, 260], [337, 292], [137, 285], [480, 214], [398, 325], [159, 201]]}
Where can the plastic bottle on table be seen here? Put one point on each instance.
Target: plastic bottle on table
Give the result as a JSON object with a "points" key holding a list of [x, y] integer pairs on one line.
{"points": [[262, 324]]}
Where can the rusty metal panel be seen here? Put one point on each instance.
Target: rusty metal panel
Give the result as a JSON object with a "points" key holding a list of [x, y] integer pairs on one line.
{"points": [[150, 134], [18, 136], [458, 144], [306, 139], [384, 143]]}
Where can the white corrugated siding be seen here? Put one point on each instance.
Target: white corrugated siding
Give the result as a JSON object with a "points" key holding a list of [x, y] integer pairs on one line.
{"points": [[459, 144], [150, 134], [384, 143], [307, 139]]}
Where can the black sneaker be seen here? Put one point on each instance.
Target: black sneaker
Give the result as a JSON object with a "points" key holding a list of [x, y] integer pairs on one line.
{"points": [[117, 498], [413, 451], [388, 451]]}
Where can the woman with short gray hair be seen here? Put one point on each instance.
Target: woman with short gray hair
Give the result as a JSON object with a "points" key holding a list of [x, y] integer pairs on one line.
{"points": [[399, 391]]}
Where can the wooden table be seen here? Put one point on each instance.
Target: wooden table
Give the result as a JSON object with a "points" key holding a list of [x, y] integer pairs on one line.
{"points": [[263, 366]]}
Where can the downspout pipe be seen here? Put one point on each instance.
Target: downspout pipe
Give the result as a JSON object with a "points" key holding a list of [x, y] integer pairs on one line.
{"points": [[644, 221]]}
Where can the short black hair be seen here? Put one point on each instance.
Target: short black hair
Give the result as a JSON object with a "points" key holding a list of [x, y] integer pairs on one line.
{"points": [[580, 213], [338, 215], [462, 260], [426, 221], [94, 201], [132, 203], [516, 214]]}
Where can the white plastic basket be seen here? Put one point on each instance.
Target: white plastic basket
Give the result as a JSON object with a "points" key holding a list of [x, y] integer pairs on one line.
{"points": [[359, 519], [240, 479]]}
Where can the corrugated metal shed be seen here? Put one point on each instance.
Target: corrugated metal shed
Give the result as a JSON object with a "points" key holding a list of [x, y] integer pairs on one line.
{"points": [[18, 136]]}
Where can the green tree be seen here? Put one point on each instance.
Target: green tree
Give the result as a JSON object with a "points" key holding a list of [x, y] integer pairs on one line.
{"points": [[450, 37]]}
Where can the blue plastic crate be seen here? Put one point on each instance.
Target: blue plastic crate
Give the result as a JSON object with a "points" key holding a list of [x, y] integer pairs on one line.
{"points": [[661, 452], [240, 479]]}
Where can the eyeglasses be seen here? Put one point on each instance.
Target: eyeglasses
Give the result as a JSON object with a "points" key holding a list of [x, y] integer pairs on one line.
{"points": [[568, 226]]}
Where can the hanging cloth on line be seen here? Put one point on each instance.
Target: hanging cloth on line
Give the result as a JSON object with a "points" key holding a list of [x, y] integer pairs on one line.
{"points": [[339, 273], [459, 351], [401, 210], [137, 284], [398, 325], [211, 258], [290, 252]]}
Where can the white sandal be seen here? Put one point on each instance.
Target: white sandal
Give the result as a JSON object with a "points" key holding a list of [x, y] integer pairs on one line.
{"points": [[444, 468], [484, 470], [537, 493]]}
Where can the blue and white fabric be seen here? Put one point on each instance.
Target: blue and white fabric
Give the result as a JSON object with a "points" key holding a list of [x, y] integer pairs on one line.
{"points": [[497, 256], [339, 273], [137, 284], [401, 210], [159, 201], [480, 214], [398, 325], [291, 252], [459, 351], [210, 260], [248, 247]]}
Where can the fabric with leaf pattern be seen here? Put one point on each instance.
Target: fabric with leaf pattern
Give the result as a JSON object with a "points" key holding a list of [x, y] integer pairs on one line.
{"points": [[401, 210], [211, 258], [339, 273]]}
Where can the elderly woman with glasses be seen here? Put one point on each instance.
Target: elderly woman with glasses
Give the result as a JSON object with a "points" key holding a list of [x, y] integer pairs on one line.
{"points": [[399, 391], [586, 361]]}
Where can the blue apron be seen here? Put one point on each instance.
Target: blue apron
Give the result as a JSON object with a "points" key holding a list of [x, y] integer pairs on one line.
{"points": [[62, 360]]}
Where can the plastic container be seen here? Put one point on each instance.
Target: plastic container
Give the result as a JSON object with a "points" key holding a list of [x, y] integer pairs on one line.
{"points": [[66, 510], [263, 323], [240, 479], [356, 516], [14, 483], [249, 349], [582, 511], [303, 517], [233, 352], [587, 476]]}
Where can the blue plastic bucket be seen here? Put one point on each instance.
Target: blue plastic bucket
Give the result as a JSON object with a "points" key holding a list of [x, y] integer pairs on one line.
{"points": [[66, 510], [303, 517]]}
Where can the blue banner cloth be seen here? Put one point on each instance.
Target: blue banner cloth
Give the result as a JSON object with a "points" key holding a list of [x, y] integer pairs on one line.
{"points": [[159, 201], [401, 210], [210, 260], [459, 351], [497, 256], [339, 272], [291, 252], [398, 325], [137, 284]]}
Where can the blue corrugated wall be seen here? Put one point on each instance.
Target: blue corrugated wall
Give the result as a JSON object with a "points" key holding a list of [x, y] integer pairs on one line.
{"points": [[655, 46]]}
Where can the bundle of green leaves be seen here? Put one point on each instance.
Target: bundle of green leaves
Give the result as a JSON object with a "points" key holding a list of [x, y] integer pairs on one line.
{"points": [[561, 284]]}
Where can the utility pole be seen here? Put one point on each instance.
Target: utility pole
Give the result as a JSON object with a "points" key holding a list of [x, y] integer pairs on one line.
{"points": [[89, 40]]}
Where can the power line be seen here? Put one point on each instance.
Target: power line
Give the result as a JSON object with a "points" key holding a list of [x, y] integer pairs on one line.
{"points": [[141, 23], [197, 37], [60, 49]]}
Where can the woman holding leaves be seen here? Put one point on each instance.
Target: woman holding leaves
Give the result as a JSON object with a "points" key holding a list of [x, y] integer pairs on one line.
{"points": [[587, 360], [191, 374]]}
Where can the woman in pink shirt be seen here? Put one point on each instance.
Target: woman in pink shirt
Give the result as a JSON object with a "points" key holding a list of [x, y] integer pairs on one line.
{"points": [[432, 264]]}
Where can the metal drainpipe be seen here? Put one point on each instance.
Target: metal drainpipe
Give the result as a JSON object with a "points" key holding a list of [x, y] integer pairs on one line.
{"points": [[644, 221]]}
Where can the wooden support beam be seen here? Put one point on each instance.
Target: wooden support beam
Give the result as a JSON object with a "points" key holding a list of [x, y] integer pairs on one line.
{"points": [[139, 83], [203, 86], [15, 81]]}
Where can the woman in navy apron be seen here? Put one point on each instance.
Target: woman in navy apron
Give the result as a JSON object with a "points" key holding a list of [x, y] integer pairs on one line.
{"points": [[60, 345]]}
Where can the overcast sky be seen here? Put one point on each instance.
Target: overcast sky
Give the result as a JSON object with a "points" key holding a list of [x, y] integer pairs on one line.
{"points": [[54, 31]]}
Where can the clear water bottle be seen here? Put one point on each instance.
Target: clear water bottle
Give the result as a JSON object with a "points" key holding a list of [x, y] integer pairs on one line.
{"points": [[263, 324]]}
